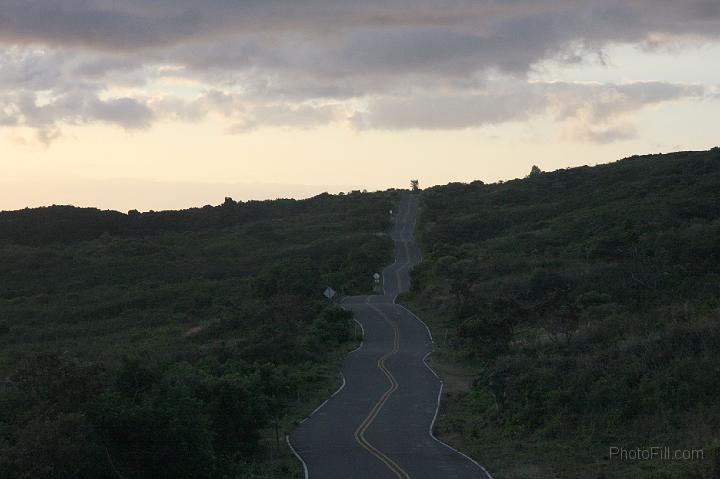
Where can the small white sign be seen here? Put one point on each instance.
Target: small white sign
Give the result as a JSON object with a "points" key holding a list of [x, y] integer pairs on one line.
{"points": [[329, 293], [376, 277]]}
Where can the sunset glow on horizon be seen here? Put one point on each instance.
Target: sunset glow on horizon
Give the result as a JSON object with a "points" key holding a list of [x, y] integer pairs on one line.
{"points": [[127, 106]]}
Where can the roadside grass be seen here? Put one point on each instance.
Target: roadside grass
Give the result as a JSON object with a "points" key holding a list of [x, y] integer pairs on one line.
{"points": [[585, 303], [468, 422]]}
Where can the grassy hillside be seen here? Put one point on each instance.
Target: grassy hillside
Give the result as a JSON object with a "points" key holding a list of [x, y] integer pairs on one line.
{"points": [[171, 344], [577, 311]]}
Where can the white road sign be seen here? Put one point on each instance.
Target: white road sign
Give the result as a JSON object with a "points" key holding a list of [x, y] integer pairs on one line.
{"points": [[329, 293]]}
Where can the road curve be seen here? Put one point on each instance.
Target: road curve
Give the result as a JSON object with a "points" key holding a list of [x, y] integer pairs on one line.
{"points": [[379, 423]]}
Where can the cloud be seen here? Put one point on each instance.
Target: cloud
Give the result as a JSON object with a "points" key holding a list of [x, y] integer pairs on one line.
{"points": [[46, 114], [301, 116], [137, 24], [609, 134], [126, 112], [596, 112], [449, 111], [412, 63]]}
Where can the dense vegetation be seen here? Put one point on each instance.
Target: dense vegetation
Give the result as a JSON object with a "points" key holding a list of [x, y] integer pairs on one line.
{"points": [[584, 304], [174, 344]]}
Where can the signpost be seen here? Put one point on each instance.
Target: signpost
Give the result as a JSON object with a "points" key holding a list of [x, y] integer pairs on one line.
{"points": [[376, 277], [329, 293]]}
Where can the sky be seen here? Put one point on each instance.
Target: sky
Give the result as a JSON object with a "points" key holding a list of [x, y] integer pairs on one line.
{"points": [[130, 104]]}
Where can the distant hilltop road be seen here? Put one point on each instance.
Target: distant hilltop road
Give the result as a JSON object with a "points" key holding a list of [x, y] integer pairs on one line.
{"points": [[379, 423]]}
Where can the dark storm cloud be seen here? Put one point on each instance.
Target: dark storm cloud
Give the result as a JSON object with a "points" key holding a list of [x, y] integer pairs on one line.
{"points": [[96, 24], [353, 41], [138, 24]]}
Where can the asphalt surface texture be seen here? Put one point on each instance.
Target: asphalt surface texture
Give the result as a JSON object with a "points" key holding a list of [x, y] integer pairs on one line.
{"points": [[379, 423]]}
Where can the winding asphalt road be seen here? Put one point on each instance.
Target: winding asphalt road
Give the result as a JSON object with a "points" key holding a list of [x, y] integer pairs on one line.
{"points": [[379, 423]]}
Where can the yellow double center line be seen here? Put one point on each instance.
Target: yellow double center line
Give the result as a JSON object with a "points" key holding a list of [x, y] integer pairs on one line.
{"points": [[360, 431]]}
